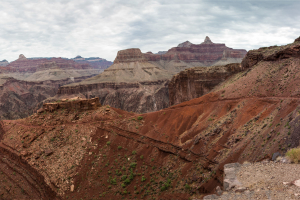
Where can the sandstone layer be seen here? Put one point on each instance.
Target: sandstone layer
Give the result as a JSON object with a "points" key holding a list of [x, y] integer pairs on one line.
{"points": [[198, 81], [187, 55], [131, 84]]}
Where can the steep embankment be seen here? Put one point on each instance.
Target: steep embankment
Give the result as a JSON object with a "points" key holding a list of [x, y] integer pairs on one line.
{"points": [[131, 84], [175, 153], [198, 81]]}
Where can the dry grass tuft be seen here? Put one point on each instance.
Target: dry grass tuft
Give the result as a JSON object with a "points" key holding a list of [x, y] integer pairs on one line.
{"points": [[294, 154]]}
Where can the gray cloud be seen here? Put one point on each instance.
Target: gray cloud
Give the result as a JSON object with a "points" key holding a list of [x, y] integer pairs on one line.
{"points": [[102, 27]]}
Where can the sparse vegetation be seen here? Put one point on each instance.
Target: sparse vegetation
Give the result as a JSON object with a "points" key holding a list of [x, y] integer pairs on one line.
{"points": [[294, 155]]}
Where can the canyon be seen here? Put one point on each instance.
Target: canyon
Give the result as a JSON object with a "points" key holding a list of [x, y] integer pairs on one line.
{"points": [[26, 82], [131, 84], [81, 149], [140, 82]]}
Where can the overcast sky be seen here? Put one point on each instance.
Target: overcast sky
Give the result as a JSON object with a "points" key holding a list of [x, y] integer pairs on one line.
{"points": [[67, 28]]}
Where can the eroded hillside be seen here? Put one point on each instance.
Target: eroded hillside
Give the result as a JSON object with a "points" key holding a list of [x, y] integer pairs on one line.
{"points": [[89, 152]]}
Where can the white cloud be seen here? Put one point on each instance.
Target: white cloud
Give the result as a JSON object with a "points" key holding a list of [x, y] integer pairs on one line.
{"points": [[102, 27]]}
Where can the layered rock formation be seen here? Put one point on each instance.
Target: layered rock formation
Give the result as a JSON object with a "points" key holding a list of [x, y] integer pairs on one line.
{"points": [[95, 62], [40, 69], [198, 81], [18, 99], [271, 53], [131, 83], [187, 55], [25, 83]]}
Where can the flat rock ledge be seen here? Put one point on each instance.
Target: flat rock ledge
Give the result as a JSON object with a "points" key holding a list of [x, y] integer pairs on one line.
{"points": [[261, 180]]}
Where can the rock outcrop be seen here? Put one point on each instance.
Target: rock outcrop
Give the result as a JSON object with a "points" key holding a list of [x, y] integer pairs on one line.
{"points": [[131, 83], [187, 55], [19, 99], [80, 104], [185, 44], [271, 53], [198, 81]]}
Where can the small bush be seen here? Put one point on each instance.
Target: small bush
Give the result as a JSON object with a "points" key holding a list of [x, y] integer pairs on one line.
{"points": [[141, 157], [119, 147], [140, 118], [294, 154], [133, 152], [133, 165], [108, 143], [187, 187], [124, 177], [143, 178]]}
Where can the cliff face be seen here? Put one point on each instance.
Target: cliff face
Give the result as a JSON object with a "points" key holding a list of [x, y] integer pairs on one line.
{"points": [[140, 97], [19, 99], [198, 81], [131, 84], [187, 55]]}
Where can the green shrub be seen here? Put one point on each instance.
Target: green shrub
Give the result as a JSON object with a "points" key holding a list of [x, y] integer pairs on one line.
{"points": [[187, 187], [124, 177], [140, 117], [108, 143], [133, 165], [133, 152], [119, 147], [294, 154], [143, 178], [141, 157]]}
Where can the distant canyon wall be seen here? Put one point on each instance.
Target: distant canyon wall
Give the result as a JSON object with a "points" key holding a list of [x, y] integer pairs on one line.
{"points": [[198, 81]]}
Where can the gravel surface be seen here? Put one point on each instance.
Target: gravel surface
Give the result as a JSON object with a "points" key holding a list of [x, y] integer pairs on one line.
{"points": [[265, 180]]}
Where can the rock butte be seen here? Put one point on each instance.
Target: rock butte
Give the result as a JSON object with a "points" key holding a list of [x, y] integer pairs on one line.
{"points": [[131, 83], [187, 55]]}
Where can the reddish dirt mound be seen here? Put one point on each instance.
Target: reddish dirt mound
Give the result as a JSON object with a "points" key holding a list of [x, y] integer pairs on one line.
{"points": [[175, 153]]}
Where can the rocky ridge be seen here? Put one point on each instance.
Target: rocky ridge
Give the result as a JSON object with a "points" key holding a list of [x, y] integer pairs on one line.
{"points": [[46, 69], [187, 55]]}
